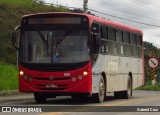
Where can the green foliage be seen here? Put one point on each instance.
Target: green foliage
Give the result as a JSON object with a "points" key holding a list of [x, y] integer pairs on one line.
{"points": [[151, 87], [8, 77], [149, 51], [11, 12]]}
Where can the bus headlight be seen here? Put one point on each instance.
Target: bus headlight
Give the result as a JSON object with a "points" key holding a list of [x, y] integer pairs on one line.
{"points": [[85, 73], [21, 73]]}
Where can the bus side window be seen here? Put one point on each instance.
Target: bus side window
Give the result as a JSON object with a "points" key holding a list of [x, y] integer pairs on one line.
{"points": [[133, 45], [133, 39], [96, 43], [127, 44], [112, 34], [140, 37], [104, 47], [121, 50], [120, 36], [95, 28], [113, 48], [139, 45], [126, 37], [117, 35], [135, 51], [140, 52], [128, 50], [139, 40], [106, 32], [112, 42], [102, 32]]}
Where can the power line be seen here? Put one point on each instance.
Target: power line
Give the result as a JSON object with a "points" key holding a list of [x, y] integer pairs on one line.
{"points": [[126, 12], [108, 15], [125, 18], [135, 7]]}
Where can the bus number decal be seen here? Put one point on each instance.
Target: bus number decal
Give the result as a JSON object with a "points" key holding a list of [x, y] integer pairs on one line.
{"points": [[66, 74]]}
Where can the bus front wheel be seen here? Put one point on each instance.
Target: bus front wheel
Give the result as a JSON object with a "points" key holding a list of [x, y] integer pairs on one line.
{"points": [[39, 98], [99, 97]]}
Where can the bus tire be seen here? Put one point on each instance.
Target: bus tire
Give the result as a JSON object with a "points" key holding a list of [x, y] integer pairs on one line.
{"points": [[100, 96], [39, 98], [127, 94]]}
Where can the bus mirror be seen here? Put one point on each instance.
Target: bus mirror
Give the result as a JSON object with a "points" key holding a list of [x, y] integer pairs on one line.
{"points": [[15, 37]]}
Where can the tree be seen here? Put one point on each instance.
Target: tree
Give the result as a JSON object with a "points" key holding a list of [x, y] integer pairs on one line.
{"points": [[150, 50]]}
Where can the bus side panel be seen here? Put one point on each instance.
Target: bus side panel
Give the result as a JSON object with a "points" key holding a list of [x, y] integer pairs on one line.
{"points": [[124, 69], [134, 70], [95, 83], [109, 65], [140, 72], [97, 69], [112, 73], [137, 72]]}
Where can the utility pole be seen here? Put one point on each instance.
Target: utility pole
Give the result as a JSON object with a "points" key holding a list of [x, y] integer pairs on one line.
{"points": [[85, 8]]}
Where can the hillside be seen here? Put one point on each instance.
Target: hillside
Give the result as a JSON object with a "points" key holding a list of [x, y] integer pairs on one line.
{"points": [[10, 15]]}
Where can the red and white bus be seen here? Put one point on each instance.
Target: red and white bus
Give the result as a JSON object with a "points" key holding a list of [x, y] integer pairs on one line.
{"points": [[77, 55]]}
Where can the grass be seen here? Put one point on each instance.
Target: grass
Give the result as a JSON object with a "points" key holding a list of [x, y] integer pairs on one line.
{"points": [[151, 87], [8, 77], [11, 12]]}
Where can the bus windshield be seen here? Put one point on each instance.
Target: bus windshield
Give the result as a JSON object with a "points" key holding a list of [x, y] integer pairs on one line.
{"points": [[54, 46]]}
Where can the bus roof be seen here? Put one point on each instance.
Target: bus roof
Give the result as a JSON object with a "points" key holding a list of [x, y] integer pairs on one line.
{"points": [[115, 24], [93, 18]]}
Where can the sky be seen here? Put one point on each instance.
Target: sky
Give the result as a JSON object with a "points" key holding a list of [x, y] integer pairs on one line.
{"points": [[142, 11]]}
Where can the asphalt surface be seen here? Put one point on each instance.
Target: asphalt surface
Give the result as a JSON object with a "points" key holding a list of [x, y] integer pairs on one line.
{"points": [[142, 102]]}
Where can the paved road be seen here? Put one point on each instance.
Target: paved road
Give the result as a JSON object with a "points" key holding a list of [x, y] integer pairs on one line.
{"points": [[140, 98]]}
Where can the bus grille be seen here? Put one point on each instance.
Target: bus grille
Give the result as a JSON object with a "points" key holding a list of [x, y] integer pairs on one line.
{"points": [[46, 83], [66, 78]]}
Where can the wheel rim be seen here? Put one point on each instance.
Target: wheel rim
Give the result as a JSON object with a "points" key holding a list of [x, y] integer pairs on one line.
{"points": [[101, 92]]}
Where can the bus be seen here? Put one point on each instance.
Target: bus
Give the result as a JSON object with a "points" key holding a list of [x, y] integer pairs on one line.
{"points": [[77, 55]]}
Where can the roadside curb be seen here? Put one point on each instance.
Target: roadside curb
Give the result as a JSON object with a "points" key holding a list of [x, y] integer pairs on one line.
{"points": [[9, 92]]}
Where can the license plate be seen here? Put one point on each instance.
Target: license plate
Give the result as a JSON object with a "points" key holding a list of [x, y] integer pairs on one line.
{"points": [[51, 86]]}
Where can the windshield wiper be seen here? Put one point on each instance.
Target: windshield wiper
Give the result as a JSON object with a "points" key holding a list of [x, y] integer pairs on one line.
{"points": [[61, 38], [42, 36]]}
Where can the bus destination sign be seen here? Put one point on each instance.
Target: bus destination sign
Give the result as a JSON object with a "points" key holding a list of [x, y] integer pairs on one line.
{"points": [[63, 20]]}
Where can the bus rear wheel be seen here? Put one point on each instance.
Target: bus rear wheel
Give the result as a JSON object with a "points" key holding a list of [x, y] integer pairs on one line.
{"points": [[100, 96], [39, 98], [127, 94]]}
